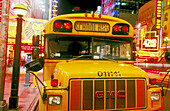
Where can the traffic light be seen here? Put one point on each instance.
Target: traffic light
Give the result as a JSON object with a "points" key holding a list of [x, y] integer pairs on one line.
{"points": [[35, 40]]}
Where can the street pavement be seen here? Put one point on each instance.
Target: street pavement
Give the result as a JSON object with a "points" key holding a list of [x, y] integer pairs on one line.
{"points": [[28, 97]]}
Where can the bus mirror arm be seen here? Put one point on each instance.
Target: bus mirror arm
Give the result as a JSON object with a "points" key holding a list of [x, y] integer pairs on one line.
{"points": [[164, 94], [44, 96], [162, 90], [37, 78]]}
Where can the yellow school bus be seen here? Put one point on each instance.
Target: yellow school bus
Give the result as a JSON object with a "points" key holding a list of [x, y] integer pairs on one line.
{"points": [[84, 71]]}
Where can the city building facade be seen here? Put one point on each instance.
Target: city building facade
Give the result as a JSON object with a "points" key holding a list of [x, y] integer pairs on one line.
{"points": [[125, 9], [165, 24], [150, 34]]}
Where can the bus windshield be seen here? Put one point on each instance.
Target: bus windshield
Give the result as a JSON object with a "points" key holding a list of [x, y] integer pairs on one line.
{"points": [[70, 47]]}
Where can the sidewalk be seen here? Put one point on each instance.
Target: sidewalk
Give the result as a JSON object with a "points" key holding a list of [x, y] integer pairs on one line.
{"points": [[28, 97]]}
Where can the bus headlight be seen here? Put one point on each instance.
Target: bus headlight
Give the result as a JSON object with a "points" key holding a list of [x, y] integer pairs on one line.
{"points": [[155, 96], [54, 100]]}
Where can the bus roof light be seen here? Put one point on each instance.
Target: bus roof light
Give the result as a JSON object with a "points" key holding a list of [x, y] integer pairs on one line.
{"points": [[67, 25], [100, 15], [57, 25], [85, 14], [92, 15], [116, 28], [125, 29]]}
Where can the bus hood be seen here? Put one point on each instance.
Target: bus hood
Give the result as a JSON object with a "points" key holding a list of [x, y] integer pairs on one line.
{"points": [[96, 69]]}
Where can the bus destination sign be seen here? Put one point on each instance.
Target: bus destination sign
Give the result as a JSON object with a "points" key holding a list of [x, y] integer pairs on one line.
{"points": [[91, 26]]}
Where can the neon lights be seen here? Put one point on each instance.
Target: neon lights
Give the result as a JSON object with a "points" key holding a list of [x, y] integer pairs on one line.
{"points": [[158, 13]]}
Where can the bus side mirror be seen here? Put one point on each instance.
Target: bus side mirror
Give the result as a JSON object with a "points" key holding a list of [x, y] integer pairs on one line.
{"points": [[35, 65]]}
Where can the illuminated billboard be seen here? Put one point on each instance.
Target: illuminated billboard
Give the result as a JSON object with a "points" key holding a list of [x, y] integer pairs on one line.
{"points": [[30, 27]]}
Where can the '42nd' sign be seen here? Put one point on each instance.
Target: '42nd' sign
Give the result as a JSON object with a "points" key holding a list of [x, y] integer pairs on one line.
{"points": [[150, 41]]}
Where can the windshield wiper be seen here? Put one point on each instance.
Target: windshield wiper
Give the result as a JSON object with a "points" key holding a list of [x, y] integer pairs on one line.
{"points": [[109, 59], [89, 57], [79, 57]]}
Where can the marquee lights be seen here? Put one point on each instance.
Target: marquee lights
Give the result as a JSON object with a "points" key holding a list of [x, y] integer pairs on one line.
{"points": [[158, 12]]}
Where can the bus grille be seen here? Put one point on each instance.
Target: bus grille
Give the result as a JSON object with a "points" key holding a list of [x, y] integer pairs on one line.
{"points": [[107, 94]]}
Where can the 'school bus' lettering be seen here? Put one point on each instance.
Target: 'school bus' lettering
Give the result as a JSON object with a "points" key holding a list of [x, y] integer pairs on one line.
{"points": [[92, 26]]}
